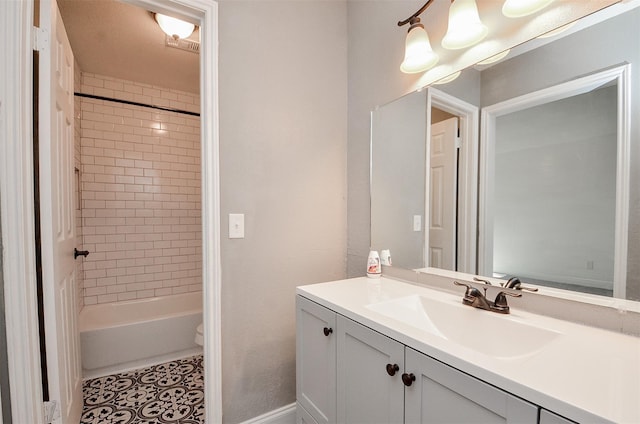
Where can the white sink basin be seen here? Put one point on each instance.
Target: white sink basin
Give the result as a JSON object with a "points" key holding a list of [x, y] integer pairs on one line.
{"points": [[493, 334]]}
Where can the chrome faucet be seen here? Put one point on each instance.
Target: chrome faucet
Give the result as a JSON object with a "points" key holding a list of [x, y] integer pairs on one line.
{"points": [[474, 297]]}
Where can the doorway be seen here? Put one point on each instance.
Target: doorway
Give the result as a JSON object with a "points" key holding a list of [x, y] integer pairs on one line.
{"points": [[22, 328], [442, 107]]}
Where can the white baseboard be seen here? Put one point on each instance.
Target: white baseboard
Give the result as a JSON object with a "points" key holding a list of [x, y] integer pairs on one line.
{"points": [[284, 415]]}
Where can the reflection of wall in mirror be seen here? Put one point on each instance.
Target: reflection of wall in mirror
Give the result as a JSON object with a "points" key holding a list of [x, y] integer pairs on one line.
{"points": [[398, 193], [601, 46], [555, 187]]}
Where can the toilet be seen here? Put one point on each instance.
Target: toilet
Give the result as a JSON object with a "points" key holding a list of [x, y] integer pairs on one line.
{"points": [[199, 340]]}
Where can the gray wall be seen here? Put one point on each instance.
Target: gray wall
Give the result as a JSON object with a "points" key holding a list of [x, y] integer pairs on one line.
{"points": [[555, 190], [376, 49], [562, 61], [283, 138], [398, 160]]}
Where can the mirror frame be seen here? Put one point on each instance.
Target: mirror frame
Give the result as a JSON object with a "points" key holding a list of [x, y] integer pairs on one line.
{"points": [[622, 76]]}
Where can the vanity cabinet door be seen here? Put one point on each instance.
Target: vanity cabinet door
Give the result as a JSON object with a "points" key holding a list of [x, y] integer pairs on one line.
{"points": [[367, 390], [303, 417], [442, 394], [547, 417], [315, 362]]}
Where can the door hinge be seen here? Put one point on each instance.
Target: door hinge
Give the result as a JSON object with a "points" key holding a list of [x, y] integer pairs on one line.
{"points": [[458, 142], [51, 411], [40, 39]]}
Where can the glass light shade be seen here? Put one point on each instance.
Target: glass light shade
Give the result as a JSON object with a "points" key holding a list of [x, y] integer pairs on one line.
{"points": [[418, 54], [465, 28], [518, 8], [448, 78], [557, 31], [494, 58], [175, 27]]}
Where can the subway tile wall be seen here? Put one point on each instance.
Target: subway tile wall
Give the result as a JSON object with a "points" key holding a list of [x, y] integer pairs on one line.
{"points": [[141, 209]]}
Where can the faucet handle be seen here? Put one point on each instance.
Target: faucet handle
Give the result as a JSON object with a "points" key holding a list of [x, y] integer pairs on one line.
{"points": [[480, 280], [468, 286], [458, 283], [531, 289], [516, 284], [471, 295], [500, 304]]}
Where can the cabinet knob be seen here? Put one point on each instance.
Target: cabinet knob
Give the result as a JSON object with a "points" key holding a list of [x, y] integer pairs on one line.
{"points": [[392, 369], [408, 379], [327, 331]]}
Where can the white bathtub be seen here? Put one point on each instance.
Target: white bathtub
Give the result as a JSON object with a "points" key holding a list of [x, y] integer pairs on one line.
{"points": [[115, 337]]}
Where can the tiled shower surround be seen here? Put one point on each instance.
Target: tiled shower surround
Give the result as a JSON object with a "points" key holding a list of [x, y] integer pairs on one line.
{"points": [[140, 192]]}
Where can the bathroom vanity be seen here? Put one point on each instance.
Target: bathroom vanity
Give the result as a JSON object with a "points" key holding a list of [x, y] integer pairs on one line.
{"points": [[389, 351]]}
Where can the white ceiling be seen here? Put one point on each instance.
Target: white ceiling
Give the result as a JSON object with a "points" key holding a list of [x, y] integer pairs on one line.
{"points": [[115, 39]]}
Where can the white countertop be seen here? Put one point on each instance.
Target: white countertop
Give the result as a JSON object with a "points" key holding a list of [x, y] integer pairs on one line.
{"points": [[587, 374]]}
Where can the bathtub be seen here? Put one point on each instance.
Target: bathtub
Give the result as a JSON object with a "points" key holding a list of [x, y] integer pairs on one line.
{"points": [[116, 337]]}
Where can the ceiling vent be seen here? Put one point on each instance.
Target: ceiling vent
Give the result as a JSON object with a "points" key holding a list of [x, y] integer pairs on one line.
{"points": [[183, 44]]}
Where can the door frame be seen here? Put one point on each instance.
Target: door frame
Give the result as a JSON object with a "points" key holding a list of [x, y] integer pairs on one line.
{"points": [[622, 75], [469, 121], [17, 204]]}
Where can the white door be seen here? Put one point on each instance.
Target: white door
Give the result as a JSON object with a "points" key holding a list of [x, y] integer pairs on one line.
{"points": [[57, 215], [443, 194]]}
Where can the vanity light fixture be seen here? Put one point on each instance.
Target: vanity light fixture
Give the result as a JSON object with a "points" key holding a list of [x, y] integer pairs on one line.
{"points": [[519, 8], [418, 54], [174, 27], [465, 28], [494, 58], [557, 31], [448, 78]]}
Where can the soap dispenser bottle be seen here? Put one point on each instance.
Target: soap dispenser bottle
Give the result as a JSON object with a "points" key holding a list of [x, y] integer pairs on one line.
{"points": [[374, 269]]}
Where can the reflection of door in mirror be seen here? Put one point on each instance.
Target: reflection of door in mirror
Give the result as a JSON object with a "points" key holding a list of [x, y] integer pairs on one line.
{"points": [[553, 184], [443, 192]]}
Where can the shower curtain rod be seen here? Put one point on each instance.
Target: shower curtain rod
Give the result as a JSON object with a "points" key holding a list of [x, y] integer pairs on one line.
{"points": [[127, 102]]}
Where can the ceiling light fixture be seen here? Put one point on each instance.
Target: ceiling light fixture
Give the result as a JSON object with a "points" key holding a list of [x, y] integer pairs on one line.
{"points": [[418, 54], [174, 27], [465, 28], [519, 8]]}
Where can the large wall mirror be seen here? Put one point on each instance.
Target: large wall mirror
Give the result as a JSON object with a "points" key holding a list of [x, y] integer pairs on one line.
{"points": [[522, 167]]}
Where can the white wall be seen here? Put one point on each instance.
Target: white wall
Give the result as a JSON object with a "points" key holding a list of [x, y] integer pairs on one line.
{"points": [[283, 136]]}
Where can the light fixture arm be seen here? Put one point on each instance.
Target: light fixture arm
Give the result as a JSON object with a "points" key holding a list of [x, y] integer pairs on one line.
{"points": [[415, 15]]}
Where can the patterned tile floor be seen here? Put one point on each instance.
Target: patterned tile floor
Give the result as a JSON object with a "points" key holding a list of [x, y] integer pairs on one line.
{"points": [[172, 392]]}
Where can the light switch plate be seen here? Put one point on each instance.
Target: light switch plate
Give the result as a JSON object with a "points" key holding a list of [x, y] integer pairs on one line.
{"points": [[417, 222], [236, 225]]}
